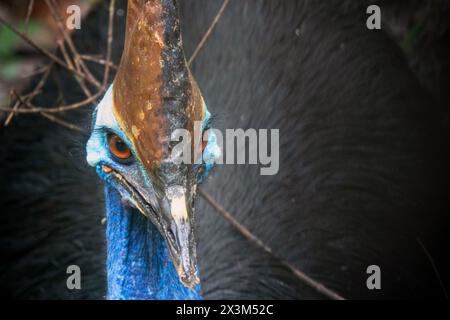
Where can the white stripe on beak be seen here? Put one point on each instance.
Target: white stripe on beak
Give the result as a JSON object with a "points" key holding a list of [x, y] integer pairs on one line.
{"points": [[177, 199]]}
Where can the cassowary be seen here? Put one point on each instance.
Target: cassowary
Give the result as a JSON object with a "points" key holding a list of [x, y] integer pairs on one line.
{"points": [[361, 181], [152, 96]]}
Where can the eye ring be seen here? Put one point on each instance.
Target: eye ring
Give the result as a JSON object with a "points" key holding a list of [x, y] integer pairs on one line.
{"points": [[118, 148]]}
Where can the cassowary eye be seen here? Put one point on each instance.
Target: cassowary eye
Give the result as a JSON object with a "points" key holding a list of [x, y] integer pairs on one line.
{"points": [[118, 148]]}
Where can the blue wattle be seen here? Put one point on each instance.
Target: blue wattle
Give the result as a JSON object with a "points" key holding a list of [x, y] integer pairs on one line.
{"points": [[138, 261]]}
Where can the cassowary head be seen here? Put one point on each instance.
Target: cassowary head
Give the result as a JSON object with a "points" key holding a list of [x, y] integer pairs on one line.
{"points": [[152, 96]]}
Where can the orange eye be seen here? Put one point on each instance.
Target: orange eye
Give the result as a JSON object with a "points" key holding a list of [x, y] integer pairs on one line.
{"points": [[118, 148]]}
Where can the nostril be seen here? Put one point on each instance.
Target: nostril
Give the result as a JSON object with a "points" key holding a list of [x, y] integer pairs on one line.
{"points": [[106, 169], [171, 236]]}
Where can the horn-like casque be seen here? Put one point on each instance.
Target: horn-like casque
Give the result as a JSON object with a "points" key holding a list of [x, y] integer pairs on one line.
{"points": [[154, 92]]}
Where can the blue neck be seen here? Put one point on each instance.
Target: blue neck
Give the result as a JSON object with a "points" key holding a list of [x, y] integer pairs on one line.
{"points": [[138, 261]]}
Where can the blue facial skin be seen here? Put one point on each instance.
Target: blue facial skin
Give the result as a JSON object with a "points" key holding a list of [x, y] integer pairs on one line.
{"points": [[138, 261]]}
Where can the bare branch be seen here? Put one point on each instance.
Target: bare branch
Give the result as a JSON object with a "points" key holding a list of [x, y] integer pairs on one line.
{"points": [[208, 32], [43, 51], [37, 71], [109, 43], [30, 95], [250, 236], [63, 122], [433, 265], [70, 64], [74, 64], [98, 60], [59, 22], [29, 11], [11, 114], [68, 107], [51, 117]]}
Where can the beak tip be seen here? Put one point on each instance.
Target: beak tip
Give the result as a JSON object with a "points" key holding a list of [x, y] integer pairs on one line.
{"points": [[189, 279]]}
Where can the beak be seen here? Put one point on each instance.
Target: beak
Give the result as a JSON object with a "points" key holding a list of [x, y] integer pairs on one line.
{"points": [[173, 217], [153, 95], [177, 213]]}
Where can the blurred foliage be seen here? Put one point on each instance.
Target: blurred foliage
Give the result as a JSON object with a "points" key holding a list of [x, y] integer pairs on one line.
{"points": [[9, 42]]}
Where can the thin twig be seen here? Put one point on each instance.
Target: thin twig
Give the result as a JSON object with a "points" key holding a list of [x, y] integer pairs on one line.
{"points": [[63, 122], [34, 72], [433, 265], [250, 236], [42, 81], [30, 95], [11, 114], [51, 117], [109, 43], [76, 69], [68, 107], [79, 63], [98, 60], [208, 32], [29, 11], [43, 51], [65, 54]]}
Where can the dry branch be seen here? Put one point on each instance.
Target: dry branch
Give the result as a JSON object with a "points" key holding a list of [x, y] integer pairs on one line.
{"points": [[208, 32], [319, 287], [41, 50], [73, 62]]}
